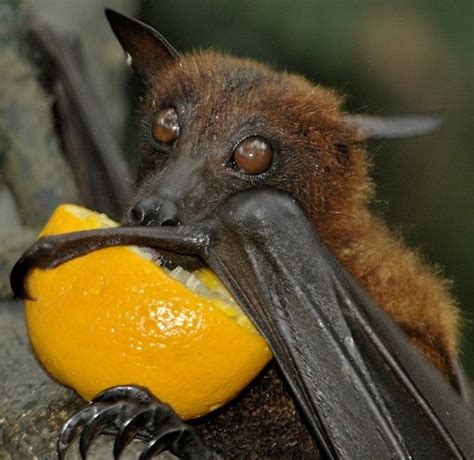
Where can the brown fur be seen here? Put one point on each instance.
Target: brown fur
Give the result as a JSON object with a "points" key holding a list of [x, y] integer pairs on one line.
{"points": [[323, 164], [320, 161]]}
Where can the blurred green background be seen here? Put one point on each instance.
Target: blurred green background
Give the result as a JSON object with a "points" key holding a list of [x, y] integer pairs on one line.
{"points": [[389, 57]]}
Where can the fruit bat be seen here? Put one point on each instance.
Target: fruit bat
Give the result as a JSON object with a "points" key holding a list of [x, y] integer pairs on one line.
{"points": [[261, 176]]}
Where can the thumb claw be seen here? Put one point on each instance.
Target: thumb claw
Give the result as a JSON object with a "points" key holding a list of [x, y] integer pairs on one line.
{"points": [[18, 278]]}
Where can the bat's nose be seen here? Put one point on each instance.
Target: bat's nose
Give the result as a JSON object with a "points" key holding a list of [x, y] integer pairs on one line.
{"points": [[154, 211]]}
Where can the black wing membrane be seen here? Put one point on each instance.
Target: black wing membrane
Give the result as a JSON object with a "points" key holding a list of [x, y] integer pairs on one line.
{"points": [[87, 141], [365, 390]]}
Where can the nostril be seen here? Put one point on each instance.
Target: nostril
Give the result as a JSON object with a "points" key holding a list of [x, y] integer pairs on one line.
{"points": [[168, 214], [171, 222], [154, 211], [137, 215]]}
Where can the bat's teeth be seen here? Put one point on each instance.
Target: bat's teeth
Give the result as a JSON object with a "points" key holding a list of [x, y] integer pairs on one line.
{"points": [[162, 261], [191, 281], [151, 255], [181, 275]]}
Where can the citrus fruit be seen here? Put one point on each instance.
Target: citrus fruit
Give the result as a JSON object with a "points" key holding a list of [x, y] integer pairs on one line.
{"points": [[115, 317]]}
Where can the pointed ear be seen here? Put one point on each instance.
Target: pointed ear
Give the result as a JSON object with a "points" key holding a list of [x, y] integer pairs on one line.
{"points": [[147, 49], [395, 127]]}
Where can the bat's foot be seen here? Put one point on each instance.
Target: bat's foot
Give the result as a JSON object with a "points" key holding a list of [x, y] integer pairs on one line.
{"points": [[132, 412]]}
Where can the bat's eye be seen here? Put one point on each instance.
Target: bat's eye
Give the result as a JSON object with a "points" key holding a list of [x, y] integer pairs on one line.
{"points": [[165, 126], [253, 155]]}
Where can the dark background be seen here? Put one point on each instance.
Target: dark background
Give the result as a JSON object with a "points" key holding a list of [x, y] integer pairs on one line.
{"points": [[388, 57]]}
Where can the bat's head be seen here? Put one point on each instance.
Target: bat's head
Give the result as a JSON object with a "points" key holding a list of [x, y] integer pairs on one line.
{"points": [[214, 125]]}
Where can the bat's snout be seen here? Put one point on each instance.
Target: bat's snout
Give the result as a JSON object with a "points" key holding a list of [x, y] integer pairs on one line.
{"points": [[155, 211]]}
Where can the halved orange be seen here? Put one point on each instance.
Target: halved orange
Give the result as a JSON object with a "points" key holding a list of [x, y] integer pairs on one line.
{"points": [[114, 317]]}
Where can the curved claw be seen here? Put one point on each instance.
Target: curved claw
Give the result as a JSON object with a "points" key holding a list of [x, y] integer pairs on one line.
{"points": [[134, 412], [37, 256], [105, 417], [133, 393], [47, 252], [131, 428], [161, 443], [71, 428], [17, 279]]}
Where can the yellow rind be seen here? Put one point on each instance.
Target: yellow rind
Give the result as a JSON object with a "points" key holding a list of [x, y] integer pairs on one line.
{"points": [[113, 317]]}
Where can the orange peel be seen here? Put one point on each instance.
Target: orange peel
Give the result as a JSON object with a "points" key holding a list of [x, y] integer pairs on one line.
{"points": [[114, 317]]}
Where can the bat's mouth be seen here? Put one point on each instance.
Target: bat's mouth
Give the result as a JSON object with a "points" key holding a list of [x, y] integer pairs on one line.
{"points": [[184, 270], [171, 261]]}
